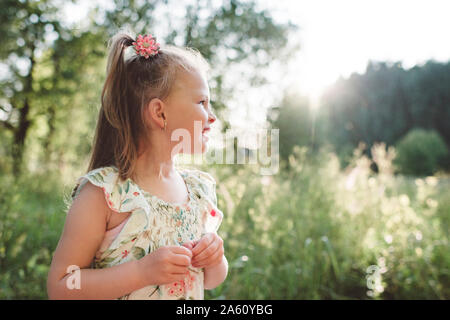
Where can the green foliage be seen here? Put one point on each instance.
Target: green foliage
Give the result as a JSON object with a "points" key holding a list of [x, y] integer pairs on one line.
{"points": [[421, 152], [31, 220], [48, 106], [312, 232], [307, 233], [293, 118], [386, 102]]}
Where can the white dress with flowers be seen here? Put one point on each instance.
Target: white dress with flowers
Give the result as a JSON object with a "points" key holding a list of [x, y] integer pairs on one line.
{"points": [[154, 223]]}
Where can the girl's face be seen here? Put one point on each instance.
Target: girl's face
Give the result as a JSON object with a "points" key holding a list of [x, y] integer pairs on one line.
{"points": [[188, 113]]}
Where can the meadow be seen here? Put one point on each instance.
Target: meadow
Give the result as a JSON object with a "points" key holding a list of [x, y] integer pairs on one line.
{"points": [[315, 230]]}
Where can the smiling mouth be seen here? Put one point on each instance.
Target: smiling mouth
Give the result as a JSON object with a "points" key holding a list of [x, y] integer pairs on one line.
{"points": [[205, 130]]}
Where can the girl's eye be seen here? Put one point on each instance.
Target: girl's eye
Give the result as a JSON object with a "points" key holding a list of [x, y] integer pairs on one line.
{"points": [[202, 102]]}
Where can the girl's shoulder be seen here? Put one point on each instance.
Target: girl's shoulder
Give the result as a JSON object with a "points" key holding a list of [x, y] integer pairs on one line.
{"points": [[198, 175], [202, 181], [204, 186], [101, 177], [121, 196], [200, 178]]}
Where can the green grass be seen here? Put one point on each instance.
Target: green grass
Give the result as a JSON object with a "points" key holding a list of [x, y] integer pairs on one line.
{"points": [[308, 233]]}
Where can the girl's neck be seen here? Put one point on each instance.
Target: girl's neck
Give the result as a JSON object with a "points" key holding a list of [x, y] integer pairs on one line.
{"points": [[151, 167], [155, 163]]}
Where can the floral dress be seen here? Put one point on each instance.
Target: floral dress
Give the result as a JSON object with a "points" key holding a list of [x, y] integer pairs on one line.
{"points": [[154, 223]]}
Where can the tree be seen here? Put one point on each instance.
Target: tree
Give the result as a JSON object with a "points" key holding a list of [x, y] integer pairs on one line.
{"points": [[45, 61], [55, 71], [293, 117], [233, 37], [386, 102]]}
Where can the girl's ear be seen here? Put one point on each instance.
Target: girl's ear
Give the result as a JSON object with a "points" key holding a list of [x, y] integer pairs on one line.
{"points": [[155, 113]]}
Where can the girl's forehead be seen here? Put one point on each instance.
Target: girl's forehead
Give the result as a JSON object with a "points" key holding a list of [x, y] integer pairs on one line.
{"points": [[192, 83]]}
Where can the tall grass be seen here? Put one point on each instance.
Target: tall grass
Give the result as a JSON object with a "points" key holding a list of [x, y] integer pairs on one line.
{"points": [[316, 231], [321, 232], [31, 220]]}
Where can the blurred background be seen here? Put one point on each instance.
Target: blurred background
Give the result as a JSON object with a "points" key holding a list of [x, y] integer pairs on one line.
{"points": [[360, 91]]}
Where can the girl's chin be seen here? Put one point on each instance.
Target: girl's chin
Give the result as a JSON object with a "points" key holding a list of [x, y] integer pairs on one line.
{"points": [[204, 143], [205, 139]]}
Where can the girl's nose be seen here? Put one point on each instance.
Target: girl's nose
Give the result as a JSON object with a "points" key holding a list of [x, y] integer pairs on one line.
{"points": [[211, 117]]}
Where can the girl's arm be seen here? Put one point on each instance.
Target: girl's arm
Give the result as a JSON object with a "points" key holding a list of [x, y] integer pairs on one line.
{"points": [[83, 233], [215, 275]]}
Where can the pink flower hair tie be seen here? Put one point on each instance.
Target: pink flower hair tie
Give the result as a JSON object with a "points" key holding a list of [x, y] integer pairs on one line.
{"points": [[146, 46]]}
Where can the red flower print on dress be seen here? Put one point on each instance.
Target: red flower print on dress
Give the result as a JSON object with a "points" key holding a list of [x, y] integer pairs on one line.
{"points": [[181, 287], [136, 193], [213, 212], [176, 289], [125, 253]]}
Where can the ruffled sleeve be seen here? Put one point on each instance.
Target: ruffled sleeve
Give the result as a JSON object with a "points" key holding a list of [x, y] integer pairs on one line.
{"points": [[206, 191], [120, 196]]}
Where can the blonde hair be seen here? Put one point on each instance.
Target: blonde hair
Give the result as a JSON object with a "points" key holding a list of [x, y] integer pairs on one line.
{"points": [[131, 83]]}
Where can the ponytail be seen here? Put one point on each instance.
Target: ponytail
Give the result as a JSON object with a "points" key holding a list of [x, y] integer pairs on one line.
{"points": [[129, 86], [114, 129]]}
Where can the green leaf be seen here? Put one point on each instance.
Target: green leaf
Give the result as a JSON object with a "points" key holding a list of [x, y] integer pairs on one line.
{"points": [[138, 252], [94, 177], [109, 251], [127, 186], [126, 201], [100, 177], [108, 260]]}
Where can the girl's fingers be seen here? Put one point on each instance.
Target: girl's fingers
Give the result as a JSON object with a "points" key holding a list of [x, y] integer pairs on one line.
{"points": [[179, 270], [181, 250], [203, 243], [181, 260], [189, 245], [207, 252], [178, 277], [210, 262], [214, 258]]}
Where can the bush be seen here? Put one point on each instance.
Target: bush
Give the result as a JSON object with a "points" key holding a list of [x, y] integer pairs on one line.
{"points": [[320, 232], [420, 152], [313, 232]]}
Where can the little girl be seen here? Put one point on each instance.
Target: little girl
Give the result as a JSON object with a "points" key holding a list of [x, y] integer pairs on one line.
{"points": [[139, 228]]}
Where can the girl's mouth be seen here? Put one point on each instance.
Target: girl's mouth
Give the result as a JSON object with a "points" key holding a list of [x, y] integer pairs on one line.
{"points": [[205, 132]]}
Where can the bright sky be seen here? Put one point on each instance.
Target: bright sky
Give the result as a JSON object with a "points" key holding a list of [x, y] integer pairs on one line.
{"points": [[340, 37]]}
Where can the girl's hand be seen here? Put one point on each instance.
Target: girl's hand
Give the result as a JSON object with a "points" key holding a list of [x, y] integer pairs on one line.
{"points": [[207, 252], [190, 244], [165, 265]]}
